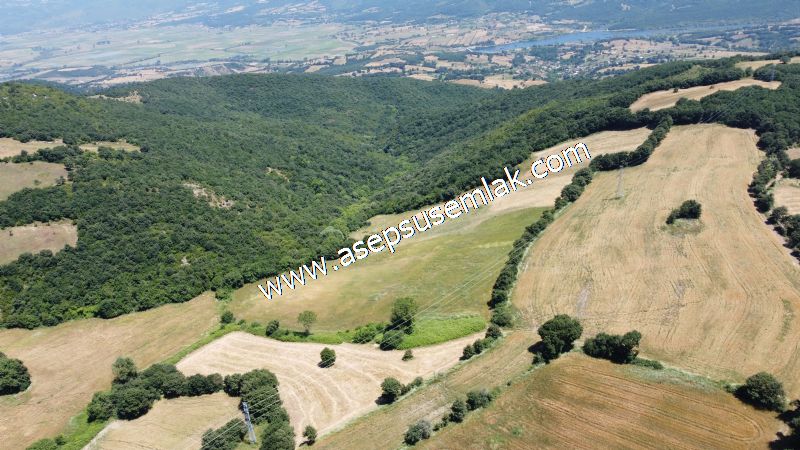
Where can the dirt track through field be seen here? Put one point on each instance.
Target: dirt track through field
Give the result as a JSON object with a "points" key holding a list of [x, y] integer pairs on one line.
{"points": [[667, 99], [325, 398], [577, 402], [719, 297]]}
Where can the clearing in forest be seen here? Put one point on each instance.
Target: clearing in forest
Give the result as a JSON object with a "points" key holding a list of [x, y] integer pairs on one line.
{"points": [[787, 193], [716, 297], [450, 269], [119, 145], [667, 98], [71, 361], [13, 147], [15, 177], [34, 238], [583, 403], [329, 397]]}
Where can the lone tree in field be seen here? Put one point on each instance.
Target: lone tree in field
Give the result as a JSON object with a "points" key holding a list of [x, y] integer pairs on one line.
{"points": [[619, 349], [310, 433], [403, 312], [689, 209], [327, 357], [306, 319], [763, 390], [557, 335]]}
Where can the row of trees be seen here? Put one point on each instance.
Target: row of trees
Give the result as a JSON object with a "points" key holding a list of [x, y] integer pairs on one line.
{"points": [[621, 349], [476, 348], [392, 389], [14, 376], [613, 161]]}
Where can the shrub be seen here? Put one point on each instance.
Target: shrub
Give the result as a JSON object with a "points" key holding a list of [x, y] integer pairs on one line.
{"points": [[226, 318], [14, 376], [648, 363], [408, 355], [502, 316], [557, 335], [619, 349], [232, 384], [417, 432], [403, 311], [468, 352], [494, 332], [272, 327], [392, 339], [100, 408], [327, 357], [310, 433], [391, 389], [131, 402], [793, 168], [478, 399], [689, 209], [458, 411], [278, 435], [763, 390], [227, 437], [124, 370], [366, 333], [479, 346]]}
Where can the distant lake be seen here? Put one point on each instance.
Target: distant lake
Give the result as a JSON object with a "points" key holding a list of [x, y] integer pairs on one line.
{"points": [[596, 35]]}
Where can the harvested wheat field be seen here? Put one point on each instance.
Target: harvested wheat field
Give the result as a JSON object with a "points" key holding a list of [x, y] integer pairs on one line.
{"points": [[15, 177], [34, 238], [71, 361], [787, 193], [441, 268], [759, 64], [582, 403], [384, 428], [667, 99], [175, 424], [13, 147], [718, 297], [326, 398]]}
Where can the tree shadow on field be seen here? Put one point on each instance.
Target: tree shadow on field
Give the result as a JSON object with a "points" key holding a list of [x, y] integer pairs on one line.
{"points": [[384, 400]]}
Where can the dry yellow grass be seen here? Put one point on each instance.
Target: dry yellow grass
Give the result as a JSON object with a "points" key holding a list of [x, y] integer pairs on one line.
{"points": [[718, 298], [15, 177], [793, 152], [787, 193], [120, 145], [667, 99], [71, 361], [325, 398], [759, 64], [53, 236], [13, 147], [582, 403], [171, 425]]}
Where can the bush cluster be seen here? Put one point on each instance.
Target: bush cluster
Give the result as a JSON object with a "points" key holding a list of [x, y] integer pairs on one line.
{"points": [[690, 209], [558, 335], [764, 391], [621, 349], [458, 412], [14, 376], [392, 389]]}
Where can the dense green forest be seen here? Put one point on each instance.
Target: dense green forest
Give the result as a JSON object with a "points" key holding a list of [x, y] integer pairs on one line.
{"points": [[304, 160]]}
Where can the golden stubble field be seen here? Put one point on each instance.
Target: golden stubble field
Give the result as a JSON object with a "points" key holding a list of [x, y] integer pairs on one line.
{"points": [[323, 397], [667, 99], [582, 403], [71, 361], [719, 298]]}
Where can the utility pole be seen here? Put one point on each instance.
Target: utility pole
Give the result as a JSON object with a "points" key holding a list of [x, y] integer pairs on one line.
{"points": [[251, 435]]}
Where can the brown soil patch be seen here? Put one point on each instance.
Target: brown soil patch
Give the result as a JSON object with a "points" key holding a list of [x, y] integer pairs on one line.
{"points": [[713, 300], [667, 99], [325, 398], [171, 424], [34, 238], [15, 177], [13, 147], [583, 403], [71, 361]]}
